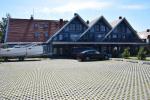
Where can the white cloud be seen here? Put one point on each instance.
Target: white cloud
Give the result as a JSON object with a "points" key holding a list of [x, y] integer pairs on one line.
{"points": [[134, 7], [76, 6]]}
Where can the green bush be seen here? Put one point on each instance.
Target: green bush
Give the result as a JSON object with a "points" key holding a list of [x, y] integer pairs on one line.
{"points": [[126, 53], [141, 54]]}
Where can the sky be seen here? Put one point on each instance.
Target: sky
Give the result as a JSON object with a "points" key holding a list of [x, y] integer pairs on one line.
{"points": [[137, 12]]}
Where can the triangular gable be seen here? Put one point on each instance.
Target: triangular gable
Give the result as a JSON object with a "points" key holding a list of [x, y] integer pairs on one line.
{"points": [[75, 16], [93, 23], [118, 23]]}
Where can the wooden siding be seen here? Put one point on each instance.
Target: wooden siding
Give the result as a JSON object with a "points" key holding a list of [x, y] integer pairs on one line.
{"points": [[96, 32], [74, 28], [122, 33], [23, 30]]}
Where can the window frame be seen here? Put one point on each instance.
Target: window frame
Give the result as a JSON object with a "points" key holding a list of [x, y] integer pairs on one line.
{"points": [[72, 27]]}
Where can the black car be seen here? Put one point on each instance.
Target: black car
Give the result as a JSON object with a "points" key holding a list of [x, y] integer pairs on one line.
{"points": [[76, 50], [92, 55]]}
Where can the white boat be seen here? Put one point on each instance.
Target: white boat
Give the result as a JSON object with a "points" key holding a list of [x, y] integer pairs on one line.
{"points": [[21, 52]]}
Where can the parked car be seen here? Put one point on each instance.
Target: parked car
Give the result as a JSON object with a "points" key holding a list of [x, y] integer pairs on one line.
{"points": [[21, 51], [77, 50], [92, 55]]}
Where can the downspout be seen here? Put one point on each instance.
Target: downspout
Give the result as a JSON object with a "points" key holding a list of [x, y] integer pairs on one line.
{"points": [[6, 34]]}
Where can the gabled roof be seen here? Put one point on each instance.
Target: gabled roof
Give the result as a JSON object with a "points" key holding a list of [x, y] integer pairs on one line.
{"points": [[116, 23], [23, 30], [144, 34], [92, 23], [75, 16]]}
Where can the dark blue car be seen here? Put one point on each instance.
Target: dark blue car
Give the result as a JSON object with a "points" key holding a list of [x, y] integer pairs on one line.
{"points": [[88, 55]]}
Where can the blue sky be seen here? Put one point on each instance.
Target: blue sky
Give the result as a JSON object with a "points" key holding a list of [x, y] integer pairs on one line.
{"points": [[137, 12]]}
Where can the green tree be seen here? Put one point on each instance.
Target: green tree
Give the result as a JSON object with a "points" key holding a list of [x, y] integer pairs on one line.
{"points": [[3, 25], [141, 54], [1, 35], [126, 53]]}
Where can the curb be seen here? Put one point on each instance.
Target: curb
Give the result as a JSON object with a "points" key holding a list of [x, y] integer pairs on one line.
{"points": [[131, 61]]}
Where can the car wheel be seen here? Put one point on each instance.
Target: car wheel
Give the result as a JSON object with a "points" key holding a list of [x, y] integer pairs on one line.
{"points": [[87, 58], [21, 58], [106, 58], [6, 59]]}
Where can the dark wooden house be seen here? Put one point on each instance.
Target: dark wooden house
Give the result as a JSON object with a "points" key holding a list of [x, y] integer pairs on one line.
{"points": [[99, 34]]}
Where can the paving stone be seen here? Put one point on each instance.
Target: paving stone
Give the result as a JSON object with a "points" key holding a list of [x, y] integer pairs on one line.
{"points": [[72, 80]]}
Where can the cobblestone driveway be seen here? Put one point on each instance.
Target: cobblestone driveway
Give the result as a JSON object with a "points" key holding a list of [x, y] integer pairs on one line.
{"points": [[72, 80]]}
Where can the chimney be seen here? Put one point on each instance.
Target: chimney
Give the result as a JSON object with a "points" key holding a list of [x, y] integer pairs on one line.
{"points": [[148, 30], [75, 14], [120, 17], [61, 22], [31, 17], [87, 22]]}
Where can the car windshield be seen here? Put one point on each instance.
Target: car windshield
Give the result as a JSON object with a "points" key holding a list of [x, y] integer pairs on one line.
{"points": [[79, 50], [90, 52]]}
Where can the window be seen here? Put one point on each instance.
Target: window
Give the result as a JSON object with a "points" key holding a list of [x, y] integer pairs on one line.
{"points": [[99, 36], [41, 26], [102, 27], [35, 26], [45, 26], [60, 37], [114, 36], [55, 38], [115, 30], [46, 35], [128, 30], [121, 28], [37, 35], [72, 27], [78, 27], [66, 29], [73, 37], [55, 51], [92, 29], [123, 36], [97, 28]]}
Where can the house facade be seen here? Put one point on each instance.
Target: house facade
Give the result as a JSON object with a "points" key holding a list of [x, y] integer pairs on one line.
{"points": [[31, 30], [106, 37], [145, 36], [62, 37]]}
